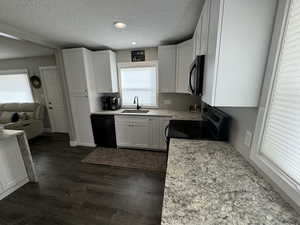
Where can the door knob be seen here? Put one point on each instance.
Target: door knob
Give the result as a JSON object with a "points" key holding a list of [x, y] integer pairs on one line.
{"points": [[50, 108]]}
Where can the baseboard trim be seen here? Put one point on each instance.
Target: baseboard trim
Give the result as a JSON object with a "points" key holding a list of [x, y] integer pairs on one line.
{"points": [[86, 144], [75, 143], [14, 188]]}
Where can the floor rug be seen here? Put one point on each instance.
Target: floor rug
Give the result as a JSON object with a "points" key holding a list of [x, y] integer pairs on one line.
{"points": [[146, 160]]}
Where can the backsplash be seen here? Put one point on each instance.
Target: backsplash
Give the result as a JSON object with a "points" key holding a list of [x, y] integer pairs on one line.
{"points": [[177, 101]]}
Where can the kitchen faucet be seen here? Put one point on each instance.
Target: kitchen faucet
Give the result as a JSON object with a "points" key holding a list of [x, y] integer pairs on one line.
{"points": [[136, 101]]}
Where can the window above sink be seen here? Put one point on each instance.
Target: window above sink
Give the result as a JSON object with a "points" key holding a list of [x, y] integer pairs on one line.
{"points": [[138, 79]]}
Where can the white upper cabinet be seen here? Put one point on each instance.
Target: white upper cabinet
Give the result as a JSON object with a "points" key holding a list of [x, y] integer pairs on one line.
{"points": [[238, 44], [204, 20], [167, 68], [105, 71], [184, 61], [174, 67], [200, 38], [75, 67], [197, 38]]}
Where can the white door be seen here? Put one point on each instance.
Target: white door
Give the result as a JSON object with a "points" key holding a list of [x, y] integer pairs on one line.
{"points": [[12, 169], [54, 99]]}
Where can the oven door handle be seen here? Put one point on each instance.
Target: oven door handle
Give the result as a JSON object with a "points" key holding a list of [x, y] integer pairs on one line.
{"points": [[190, 80], [166, 132]]}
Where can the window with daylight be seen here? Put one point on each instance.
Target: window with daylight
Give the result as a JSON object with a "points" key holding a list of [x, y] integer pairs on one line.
{"points": [[15, 87], [138, 80], [277, 145]]}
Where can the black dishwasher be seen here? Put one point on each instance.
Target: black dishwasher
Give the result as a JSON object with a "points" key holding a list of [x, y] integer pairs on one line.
{"points": [[104, 130]]}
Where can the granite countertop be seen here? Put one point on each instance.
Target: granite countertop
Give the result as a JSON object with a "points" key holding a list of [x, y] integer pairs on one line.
{"points": [[10, 133], [174, 114], [210, 183]]}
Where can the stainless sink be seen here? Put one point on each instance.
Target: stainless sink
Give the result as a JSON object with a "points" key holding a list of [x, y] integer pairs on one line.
{"points": [[135, 111]]}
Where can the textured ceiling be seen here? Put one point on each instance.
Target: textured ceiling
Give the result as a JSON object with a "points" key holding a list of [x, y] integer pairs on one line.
{"points": [[10, 48], [89, 23]]}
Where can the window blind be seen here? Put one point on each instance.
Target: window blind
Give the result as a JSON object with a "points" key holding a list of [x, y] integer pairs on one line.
{"points": [[14, 87], [281, 136], [141, 82]]}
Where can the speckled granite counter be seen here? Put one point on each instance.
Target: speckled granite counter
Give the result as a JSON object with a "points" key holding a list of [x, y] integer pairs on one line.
{"points": [[25, 151], [176, 115], [209, 183]]}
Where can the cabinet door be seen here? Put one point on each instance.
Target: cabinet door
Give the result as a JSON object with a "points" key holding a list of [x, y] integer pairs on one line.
{"points": [[113, 71], [157, 127], [105, 71], [75, 70], [204, 28], [123, 131], [12, 169], [210, 73], [82, 123], [140, 134], [184, 61], [154, 130], [197, 41], [167, 68], [163, 123], [132, 131]]}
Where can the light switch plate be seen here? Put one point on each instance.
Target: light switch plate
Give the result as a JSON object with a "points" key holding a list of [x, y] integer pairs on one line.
{"points": [[248, 138]]}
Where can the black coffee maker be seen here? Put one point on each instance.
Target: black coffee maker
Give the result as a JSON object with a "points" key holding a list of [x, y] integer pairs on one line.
{"points": [[110, 102]]}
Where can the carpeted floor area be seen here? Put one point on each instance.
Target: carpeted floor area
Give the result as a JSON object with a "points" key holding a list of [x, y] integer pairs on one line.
{"points": [[137, 159]]}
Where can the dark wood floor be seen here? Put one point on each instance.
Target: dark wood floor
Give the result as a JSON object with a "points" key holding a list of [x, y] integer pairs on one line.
{"points": [[73, 193]]}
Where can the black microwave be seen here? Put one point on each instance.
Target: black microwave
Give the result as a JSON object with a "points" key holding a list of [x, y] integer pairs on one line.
{"points": [[196, 75]]}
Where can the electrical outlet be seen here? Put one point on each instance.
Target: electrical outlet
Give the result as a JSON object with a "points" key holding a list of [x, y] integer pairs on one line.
{"points": [[167, 102], [248, 138]]}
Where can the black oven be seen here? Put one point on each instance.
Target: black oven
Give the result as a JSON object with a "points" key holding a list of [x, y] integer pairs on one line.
{"points": [[196, 75], [215, 126]]}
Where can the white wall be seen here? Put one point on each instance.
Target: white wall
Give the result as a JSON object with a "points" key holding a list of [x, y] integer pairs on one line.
{"points": [[32, 65], [243, 119]]}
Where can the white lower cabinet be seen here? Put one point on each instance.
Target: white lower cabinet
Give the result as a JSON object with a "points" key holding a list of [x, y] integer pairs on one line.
{"points": [[141, 132], [12, 170]]}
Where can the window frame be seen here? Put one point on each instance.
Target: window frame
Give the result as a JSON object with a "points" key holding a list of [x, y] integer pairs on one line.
{"points": [[290, 189], [136, 65], [20, 71]]}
